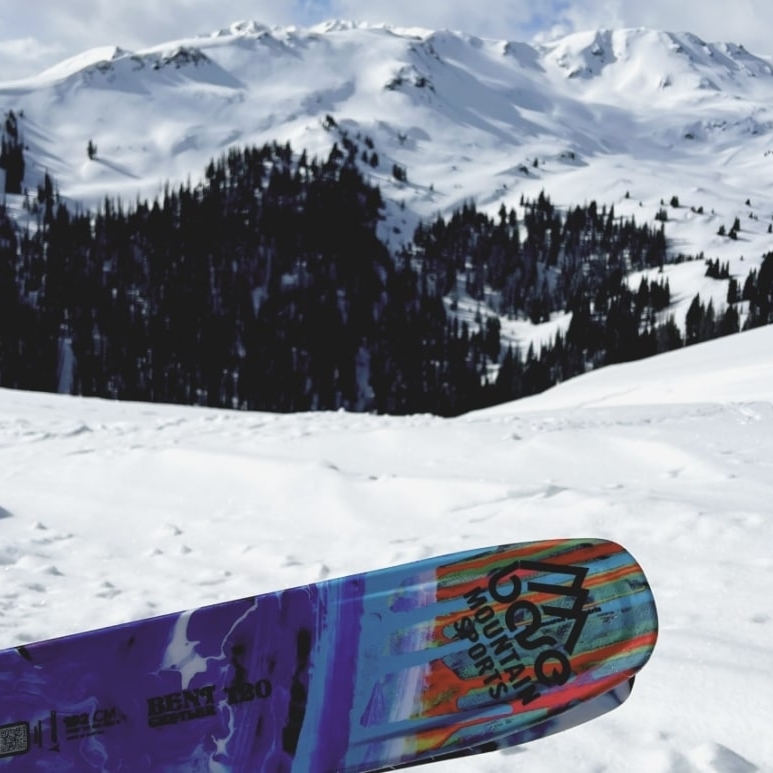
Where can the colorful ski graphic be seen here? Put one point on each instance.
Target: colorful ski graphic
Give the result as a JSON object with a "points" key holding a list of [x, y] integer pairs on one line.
{"points": [[442, 657], [578, 715]]}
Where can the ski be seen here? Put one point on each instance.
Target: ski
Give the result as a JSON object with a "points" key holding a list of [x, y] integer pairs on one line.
{"points": [[438, 658]]}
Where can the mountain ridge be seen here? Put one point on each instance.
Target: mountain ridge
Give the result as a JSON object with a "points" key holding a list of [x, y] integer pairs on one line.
{"points": [[493, 91], [441, 71], [601, 47]]}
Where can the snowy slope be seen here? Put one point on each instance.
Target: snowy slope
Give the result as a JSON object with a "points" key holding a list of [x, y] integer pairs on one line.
{"points": [[115, 511]]}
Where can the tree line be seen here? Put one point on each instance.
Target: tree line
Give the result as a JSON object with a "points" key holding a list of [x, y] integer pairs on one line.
{"points": [[266, 287]]}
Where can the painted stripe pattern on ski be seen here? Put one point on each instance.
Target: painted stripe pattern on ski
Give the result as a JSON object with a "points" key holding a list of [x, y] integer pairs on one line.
{"points": [[441, 657]]}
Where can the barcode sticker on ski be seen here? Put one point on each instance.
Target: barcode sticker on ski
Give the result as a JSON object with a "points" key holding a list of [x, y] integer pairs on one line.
{"points": [[14, 739]]}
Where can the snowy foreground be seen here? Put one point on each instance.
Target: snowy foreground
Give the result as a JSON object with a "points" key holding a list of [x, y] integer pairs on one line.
{"points": [[111, 512]]}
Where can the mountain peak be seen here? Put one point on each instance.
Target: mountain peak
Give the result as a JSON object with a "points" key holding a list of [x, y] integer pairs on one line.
{"points": [[243, 28], [652, 59], [339, 25], [183, 55], [83, 61]]}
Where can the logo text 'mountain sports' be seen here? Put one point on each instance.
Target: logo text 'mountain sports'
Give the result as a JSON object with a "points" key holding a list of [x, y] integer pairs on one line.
{"points": [[518, 649]]}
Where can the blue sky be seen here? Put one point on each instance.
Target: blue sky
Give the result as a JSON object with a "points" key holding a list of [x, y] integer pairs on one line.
{"points": [[35, 34]]}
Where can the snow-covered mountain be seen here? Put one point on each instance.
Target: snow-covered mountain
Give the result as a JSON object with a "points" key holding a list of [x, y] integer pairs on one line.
{"points": [[627, 117], [631, 118]]}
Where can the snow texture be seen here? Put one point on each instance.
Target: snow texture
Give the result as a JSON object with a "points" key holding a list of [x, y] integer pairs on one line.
{"points": [[115, 511]]}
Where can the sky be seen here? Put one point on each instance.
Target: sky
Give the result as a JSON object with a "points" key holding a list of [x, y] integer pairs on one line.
{"points": [[35, 34]]}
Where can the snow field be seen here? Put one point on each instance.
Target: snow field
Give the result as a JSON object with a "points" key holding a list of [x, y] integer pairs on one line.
{"points": [[113, 512]]}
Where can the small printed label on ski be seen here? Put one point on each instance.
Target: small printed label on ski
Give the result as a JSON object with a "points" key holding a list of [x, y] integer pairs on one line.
{"points": [[45, 732], [14, 739], [182, 706], [200, 702], [77, 726], [509, 648], [245, 692]]}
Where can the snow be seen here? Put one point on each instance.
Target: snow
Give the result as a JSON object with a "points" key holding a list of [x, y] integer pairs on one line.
{"points": [[114, 511]]}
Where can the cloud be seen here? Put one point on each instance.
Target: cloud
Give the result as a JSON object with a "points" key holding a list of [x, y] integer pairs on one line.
{"points": [[746, 22], [20, 57], [500, 19], [35, 34], [89, 23]]}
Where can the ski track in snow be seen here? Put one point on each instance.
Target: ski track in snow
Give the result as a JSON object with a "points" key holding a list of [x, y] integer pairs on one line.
{"points": [[113, 511]]}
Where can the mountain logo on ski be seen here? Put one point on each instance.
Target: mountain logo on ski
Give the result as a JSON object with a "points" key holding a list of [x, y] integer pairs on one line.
{"points": [[508, 631]]}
